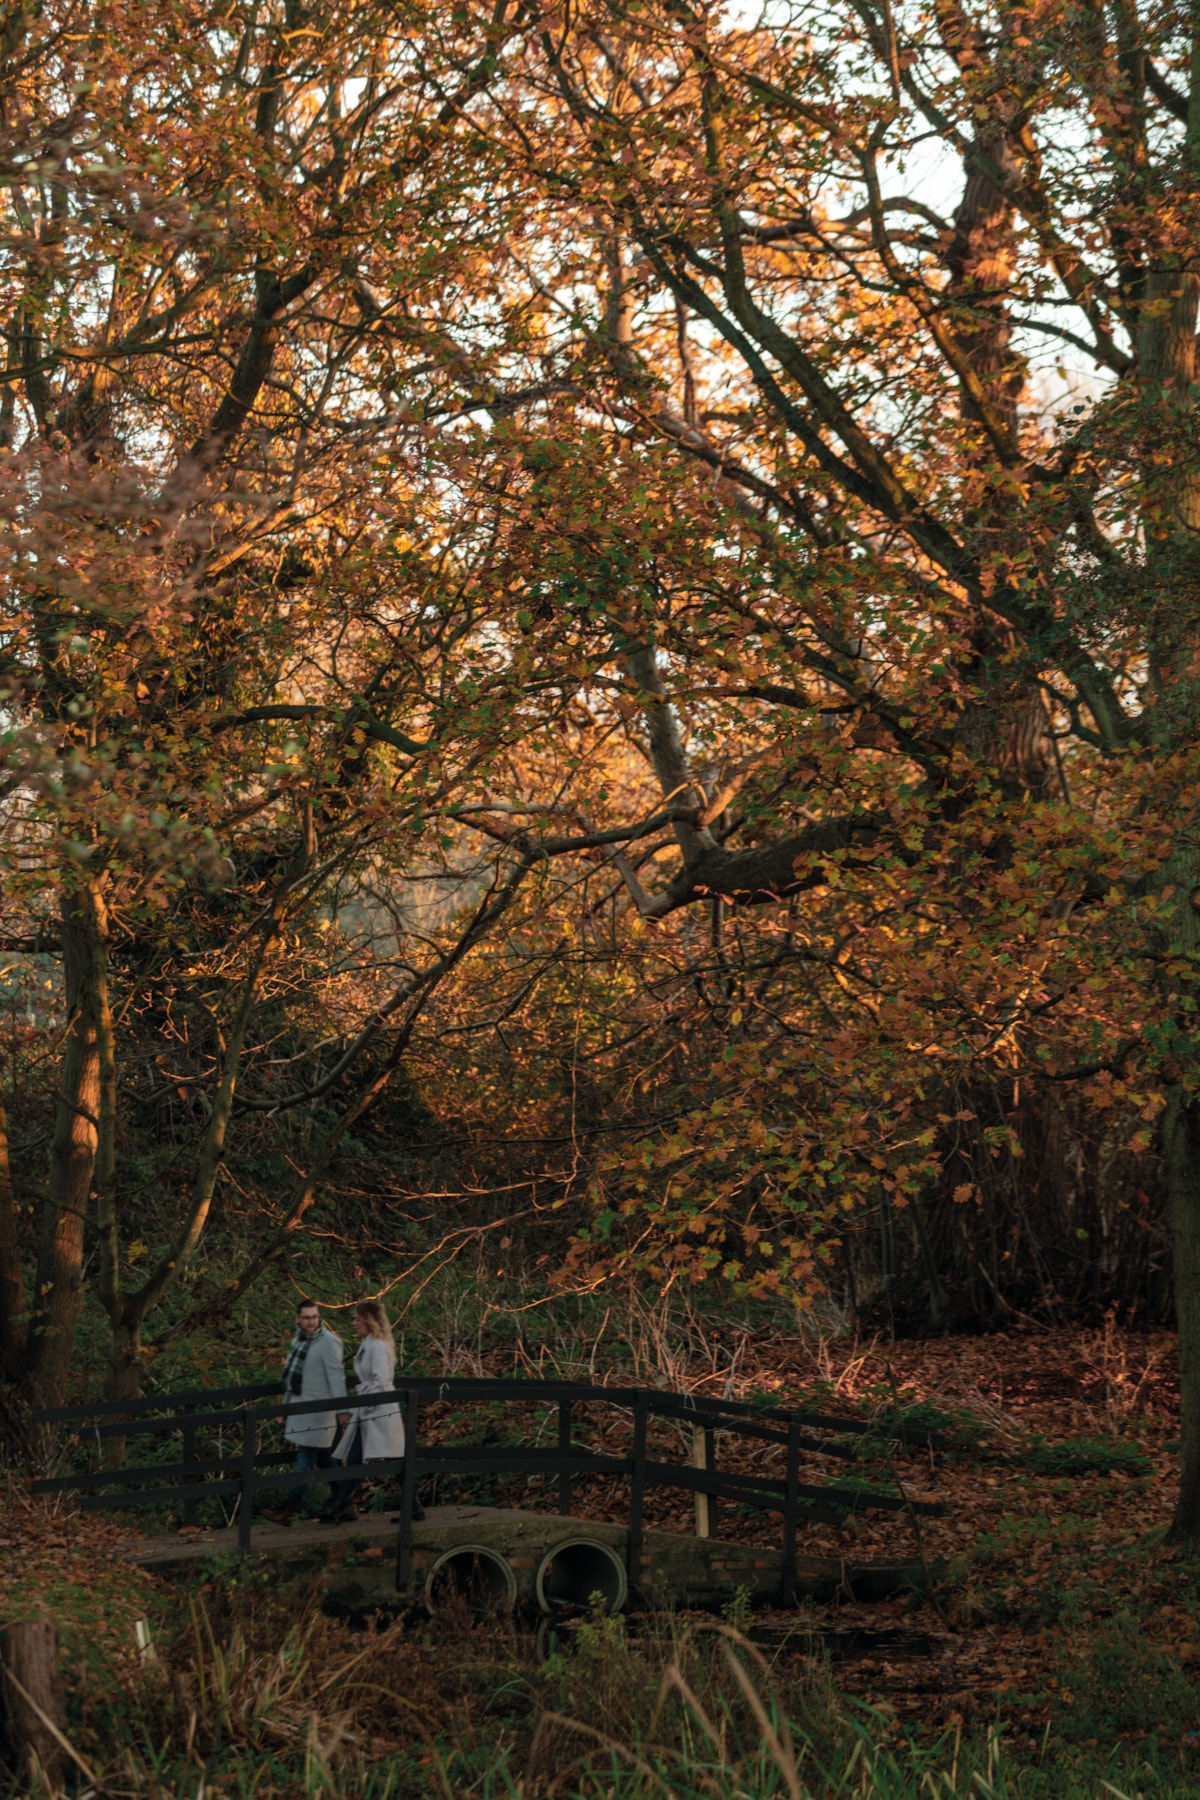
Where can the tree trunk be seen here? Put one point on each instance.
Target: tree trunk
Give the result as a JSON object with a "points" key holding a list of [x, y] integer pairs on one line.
{"points": [[126, 1366], [1167, 368], [34, 1696], [1005, 724], [937, 1294], [13, 1321], [1165, 341], [59, 1281], [1181, 1158], [1165, 345]]}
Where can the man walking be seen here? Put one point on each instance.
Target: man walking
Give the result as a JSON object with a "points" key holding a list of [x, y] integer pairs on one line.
{"points": [[313, 1371]]}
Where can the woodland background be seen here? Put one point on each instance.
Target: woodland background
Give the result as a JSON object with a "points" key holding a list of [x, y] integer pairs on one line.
{"points": [[598, 633], [598, 621]]}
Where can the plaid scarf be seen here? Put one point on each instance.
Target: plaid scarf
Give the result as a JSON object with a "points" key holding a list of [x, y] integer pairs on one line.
{"points": [[293, 1368]]}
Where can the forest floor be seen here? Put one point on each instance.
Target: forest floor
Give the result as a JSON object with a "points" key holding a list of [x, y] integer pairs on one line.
{"points": [[1055, 1621], [1051, 1598], [1053, 1601]]}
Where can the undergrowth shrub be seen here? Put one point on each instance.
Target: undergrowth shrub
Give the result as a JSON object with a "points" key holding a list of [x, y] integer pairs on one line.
{"points": [[1088, 1456], [1117, 1680], [900, 1409], [1059, 1553]]}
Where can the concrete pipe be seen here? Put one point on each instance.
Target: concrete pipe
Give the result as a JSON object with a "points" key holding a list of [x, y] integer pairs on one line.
{"points": [[576, 1569], [473, 1576]]}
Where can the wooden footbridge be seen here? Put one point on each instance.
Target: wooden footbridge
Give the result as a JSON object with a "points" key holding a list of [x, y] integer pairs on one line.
{"points": [[211, 1445]]}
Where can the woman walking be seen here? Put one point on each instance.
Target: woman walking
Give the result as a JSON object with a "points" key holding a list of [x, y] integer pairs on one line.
{"points": [[374, 1433]]}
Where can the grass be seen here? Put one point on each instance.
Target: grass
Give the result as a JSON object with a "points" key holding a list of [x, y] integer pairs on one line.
{"points": [[250, 1692], [251, 1697]]}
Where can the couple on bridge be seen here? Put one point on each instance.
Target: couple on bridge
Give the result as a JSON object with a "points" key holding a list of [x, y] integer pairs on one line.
{"points": [[314, 1371]]}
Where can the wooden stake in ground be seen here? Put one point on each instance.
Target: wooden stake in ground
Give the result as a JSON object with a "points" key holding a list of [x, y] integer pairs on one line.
{"points": [[33, 1696]]}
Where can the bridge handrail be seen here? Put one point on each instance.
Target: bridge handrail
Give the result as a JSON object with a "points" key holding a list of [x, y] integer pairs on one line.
{"points": [[480, 1388], [92, 1409], [464, 1458]]}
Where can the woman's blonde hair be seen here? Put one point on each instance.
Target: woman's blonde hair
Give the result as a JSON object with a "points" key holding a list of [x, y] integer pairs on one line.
{"points": [[376, 1321]]}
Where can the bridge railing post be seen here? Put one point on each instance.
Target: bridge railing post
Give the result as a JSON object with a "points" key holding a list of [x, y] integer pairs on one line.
{"points": [[191, 1508], [704, 1456], [791, 1503], [408, 1494], [246, 1504], [637, 1494], [564, 1450]]}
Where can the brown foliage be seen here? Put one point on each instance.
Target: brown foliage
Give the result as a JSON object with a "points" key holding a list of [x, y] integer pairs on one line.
{"points": [[540, 532]]}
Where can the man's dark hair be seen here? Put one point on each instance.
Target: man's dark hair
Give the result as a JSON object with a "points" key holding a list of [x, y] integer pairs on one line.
{"points": [[302, 1305]]}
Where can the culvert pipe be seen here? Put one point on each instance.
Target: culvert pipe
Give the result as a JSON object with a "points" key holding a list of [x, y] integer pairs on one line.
{"points": [[473, 1576], [572, 1571]]}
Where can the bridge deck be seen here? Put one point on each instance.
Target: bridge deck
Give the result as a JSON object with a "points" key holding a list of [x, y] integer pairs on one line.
{"points": [[267, 1539], [354, 1564]]}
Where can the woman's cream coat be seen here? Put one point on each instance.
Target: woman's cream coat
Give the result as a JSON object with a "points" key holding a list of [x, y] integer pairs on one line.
{"points": [[382, 1426]]}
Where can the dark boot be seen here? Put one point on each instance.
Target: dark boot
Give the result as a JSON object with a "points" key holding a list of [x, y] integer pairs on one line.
{"points": [[342, 1515]]}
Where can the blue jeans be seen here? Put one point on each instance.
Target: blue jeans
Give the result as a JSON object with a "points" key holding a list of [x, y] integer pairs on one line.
{"points": [[308, 1456]]}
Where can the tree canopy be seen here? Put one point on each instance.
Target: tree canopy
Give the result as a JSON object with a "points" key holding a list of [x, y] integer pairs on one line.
{"points": [[634, 568]]}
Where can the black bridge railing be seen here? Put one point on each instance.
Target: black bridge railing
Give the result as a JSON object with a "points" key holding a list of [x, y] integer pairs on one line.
{"points": [[246, 1470]]}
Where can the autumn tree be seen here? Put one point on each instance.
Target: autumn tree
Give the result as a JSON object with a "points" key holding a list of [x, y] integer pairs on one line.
{"points": [[250, 647], [912, 296], [722, 494]]}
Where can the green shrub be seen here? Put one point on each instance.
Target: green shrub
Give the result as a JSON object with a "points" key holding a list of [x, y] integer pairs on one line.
{"points": [[900, 1409], [1088, 1456], [1117, 1680]]}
